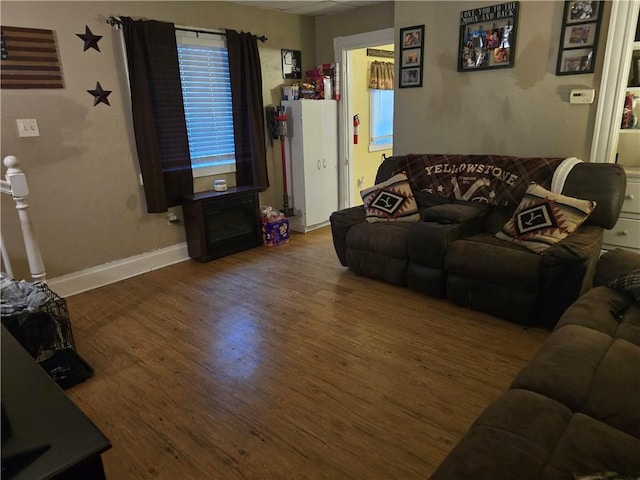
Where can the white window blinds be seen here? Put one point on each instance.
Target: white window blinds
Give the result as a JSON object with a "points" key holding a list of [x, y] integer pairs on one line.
{"points": [[206, 91], [381, 119]]}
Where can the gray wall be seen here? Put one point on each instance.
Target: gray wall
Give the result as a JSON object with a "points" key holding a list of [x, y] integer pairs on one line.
{"points": [[87, 206], [522, 111], [360, 20]]}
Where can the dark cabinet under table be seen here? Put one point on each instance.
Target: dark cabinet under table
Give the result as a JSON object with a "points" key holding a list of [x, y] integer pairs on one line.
{"points": [[221, 223]]}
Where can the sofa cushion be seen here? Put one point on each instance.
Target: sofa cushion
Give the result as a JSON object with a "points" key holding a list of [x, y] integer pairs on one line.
{"points": [[607, 311], [507, 302], [614, 393], [454, 213], [590, 372], [485, 257], [589, 447], [526, 435], [628, 284], [565, 365], [513, 438], [543, 218], [391, 200], [389, 239]]}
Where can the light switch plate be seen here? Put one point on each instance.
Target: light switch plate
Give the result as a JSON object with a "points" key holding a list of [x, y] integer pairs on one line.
{"points": [[28, 127]]}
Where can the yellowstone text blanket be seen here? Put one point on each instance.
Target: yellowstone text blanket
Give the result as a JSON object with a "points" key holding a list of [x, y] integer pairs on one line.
{"points": [[493, 179]]}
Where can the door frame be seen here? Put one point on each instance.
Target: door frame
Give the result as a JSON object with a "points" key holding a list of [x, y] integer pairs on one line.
{"points": [[615, 71], [341, 47]]}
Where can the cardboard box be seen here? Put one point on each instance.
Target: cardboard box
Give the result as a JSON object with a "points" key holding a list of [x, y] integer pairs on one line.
{"points": [[276, 232]]}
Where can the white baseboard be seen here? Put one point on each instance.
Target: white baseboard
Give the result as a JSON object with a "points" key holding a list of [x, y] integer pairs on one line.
{"points": [[94, 277]]}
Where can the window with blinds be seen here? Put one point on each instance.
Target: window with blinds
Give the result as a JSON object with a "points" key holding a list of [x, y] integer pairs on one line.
{"points": [[206, 91], [381, 125]]}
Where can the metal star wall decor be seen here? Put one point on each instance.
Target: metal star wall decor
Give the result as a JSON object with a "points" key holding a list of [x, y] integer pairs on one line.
{"points": [[90, 40], [100, 95]]}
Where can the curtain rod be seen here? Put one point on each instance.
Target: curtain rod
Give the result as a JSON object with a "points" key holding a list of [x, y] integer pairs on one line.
{"points": [[116, 22]]}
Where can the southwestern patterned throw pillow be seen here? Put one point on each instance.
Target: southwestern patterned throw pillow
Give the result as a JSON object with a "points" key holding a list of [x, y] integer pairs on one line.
{"points": [[391, 200], [543, 218]]}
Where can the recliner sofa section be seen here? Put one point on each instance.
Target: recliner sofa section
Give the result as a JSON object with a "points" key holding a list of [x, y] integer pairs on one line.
{"points": [[452, 252]]}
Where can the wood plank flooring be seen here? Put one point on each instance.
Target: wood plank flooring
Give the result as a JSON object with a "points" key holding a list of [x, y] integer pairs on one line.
{"points": [[278, 363]]}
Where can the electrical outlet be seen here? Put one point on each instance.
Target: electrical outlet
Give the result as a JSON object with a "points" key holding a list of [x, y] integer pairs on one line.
{"points": [[172, 218], [28, 127]]}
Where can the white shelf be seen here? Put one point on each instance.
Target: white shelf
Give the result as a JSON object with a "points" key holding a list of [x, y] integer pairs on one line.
{"points": [[627, 131], [636, 45]]}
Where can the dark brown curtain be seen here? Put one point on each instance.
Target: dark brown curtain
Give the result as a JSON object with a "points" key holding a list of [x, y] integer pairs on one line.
{"points": [[248, 115], [158, 112]]}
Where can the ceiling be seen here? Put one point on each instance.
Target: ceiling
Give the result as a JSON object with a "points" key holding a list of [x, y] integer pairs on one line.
{"points": [[313, 8]]}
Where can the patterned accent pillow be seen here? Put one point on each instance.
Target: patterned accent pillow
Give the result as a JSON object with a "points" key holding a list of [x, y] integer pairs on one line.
{"points": [[543, 218], [390, 200], [629, 284]]}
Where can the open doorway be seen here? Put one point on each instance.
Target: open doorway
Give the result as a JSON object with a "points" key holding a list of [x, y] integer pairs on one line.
{"points": [[357, 164]]}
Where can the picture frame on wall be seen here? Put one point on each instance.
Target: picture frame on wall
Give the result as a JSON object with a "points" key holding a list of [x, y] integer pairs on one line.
{"points": [[488, 37], [578, 11], [291, 64], [411, 56], [582, 35], [579, 37], [410, 77], [411, 37], [576, 61]]}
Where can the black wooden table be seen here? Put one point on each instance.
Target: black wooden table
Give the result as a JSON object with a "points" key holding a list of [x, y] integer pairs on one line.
{"points": [[48, 436]]}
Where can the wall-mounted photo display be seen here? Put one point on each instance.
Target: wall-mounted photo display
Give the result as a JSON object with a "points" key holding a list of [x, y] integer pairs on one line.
{"points": [[488, 37], [411, 52], [579, 37]]}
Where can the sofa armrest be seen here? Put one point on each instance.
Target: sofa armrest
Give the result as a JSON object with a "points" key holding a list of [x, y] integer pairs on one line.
{"points": [[614, 264], [341, 222], [581, 245], [605, 184], [568, 268]]}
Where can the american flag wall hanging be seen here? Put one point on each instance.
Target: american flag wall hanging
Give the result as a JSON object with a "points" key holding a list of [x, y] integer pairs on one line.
{"points": [[29, 59]]}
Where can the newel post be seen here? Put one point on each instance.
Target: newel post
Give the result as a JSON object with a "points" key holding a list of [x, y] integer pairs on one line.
{"points": [[20, 193]]}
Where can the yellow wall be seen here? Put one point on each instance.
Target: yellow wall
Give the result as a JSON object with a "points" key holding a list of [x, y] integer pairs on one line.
{"points": [[365, 163]]}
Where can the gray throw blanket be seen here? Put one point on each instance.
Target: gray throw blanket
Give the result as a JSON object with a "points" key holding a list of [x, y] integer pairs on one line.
{"points": [[18, 297]]}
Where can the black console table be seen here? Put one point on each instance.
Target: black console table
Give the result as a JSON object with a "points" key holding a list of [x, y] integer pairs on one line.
{"points": [[221, 223], [44, 435]]}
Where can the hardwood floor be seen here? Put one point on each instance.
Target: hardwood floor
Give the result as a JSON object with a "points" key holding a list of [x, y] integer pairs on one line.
{"points": [[278, 363]]}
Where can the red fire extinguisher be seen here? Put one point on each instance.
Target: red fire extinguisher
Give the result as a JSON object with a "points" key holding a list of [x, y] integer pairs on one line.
{"points": [[356, 122]]}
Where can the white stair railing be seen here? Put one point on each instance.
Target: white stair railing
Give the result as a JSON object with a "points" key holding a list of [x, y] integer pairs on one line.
{"points": [[16, 186]]}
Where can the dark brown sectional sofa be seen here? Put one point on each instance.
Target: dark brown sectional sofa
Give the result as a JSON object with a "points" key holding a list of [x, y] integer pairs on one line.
{"points": [[452, 252], [574, 410]]}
